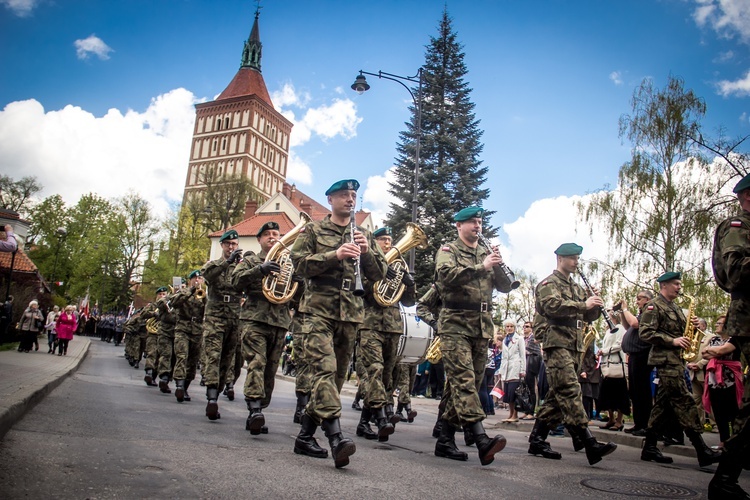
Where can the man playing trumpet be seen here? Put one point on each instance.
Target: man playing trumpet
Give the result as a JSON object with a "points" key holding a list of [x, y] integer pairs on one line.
{"points": [[189, 304]]}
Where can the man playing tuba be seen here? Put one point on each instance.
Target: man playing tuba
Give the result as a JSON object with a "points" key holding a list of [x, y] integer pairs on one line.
{"points": [[263, 325]]}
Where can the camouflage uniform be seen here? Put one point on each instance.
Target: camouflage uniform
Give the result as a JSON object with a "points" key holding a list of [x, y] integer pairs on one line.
{"points": [[332, 312], [220, 322], [264, 326], [560, 314], [152, 342], [662, 322], [465, 324], [188, 332], [407, 373], [379, 337], [302, 383], [165, 340], [132, 340]]}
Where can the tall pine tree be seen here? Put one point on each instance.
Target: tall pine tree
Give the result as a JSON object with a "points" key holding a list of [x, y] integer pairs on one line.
{"points": [[451, 176]]}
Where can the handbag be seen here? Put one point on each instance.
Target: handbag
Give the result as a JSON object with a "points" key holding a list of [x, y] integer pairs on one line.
{"points": [[613, 366], [523, 398]]}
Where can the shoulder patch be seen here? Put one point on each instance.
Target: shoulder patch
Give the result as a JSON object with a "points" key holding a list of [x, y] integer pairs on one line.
{"points": [[736, 223], [303, 229], [650, 308], [446, 249]]}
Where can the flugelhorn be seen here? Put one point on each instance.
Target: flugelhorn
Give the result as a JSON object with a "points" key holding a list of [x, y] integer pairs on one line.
{"points": [[279, 287], [510, 275], [388, 292]]}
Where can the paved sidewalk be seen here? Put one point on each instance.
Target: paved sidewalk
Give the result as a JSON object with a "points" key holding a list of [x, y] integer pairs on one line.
{"points": [[26, 378]]}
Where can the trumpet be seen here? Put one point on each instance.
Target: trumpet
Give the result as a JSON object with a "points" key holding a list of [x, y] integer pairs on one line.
{"points": [[200, 293], [510, 275]]}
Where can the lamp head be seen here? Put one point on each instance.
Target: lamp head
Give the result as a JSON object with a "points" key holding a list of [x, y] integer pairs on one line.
{"points": [[360, 85]]}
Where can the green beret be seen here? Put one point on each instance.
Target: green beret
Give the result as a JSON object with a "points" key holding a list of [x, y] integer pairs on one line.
{"points": [[383, 231], [468, 213], [742, 185], [229, 235], [162, 289], [569, 249], [194, 274], [348, 184], [266, 227], [671, 275]]}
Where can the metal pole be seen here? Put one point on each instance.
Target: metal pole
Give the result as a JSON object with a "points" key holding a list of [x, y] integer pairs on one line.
{"points": [[418, 102], [10, 274]]}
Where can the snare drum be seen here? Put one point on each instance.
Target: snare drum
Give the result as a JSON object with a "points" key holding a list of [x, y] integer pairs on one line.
{"points": [[413, 344]]}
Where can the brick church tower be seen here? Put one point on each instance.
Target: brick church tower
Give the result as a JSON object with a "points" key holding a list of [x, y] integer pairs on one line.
{"points": [[240, 133]]}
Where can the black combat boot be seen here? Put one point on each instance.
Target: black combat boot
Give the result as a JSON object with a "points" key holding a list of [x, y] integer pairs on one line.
{"points": [[486, 446], [357, 399], [136, 364], [385, 428], [186, 384], [706, 456], [229, 391], [149, 378], [306, 444], [437, 428], [179, 390], [164, 384], [302, 399], [538, 444], [595, 450], [255, 420], [446, 443], [391, 415], [468, 436], [400, 412], [363, 428], [578, 443], [341, 448], [212, 408], [724, 484], [410, 414], [650, 453]]}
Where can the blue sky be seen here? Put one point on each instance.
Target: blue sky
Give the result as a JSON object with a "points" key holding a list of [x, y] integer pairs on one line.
{"points": [[97, 96]]}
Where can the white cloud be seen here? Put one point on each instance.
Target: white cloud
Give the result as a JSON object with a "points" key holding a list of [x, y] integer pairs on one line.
{"points": [[288, 96], [339, 118], [92, 45], [298, 170], [72, 152], [616, 77], [724, 57], [737, 88], [729, 18], [21, 8], [377, 197]]}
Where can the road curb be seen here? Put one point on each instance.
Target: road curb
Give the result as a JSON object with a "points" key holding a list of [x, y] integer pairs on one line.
{"points": [[17, 409]]}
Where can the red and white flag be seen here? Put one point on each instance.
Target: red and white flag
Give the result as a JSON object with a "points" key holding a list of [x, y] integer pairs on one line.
{"points": [[497, 391], [84, 308]]}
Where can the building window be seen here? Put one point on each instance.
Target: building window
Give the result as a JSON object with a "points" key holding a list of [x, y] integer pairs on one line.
{"points": [[226, 123], [278, 207], [216, 144]]}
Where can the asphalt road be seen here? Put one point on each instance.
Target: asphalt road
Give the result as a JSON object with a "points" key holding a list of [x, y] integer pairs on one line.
{"points": [[103, 434]]}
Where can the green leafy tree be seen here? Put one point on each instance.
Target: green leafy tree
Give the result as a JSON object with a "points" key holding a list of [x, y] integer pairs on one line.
{"points": [[17, 195], [222, 202], [138, 229], [451, 176]]}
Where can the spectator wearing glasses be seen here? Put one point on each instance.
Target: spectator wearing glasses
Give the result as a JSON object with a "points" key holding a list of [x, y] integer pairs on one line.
{"points": [[534, 364], [639, 371]]}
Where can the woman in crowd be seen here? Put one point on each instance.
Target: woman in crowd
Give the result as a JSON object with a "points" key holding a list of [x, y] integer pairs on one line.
{"points": [[512, 367], [488, 383], [613, 393], [723, 386], [66, 326], [32, 322], [50, 327]]}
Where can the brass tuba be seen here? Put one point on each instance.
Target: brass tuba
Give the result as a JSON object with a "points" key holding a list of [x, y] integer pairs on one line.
{"points": [[152, 325], [693, 334], [590, 334], [279, 288], [388, 292]]}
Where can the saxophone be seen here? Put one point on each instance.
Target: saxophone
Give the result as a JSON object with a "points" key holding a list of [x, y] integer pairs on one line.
{"points": [[693, 334], [433, 354], [279, 288], [388, 292]]}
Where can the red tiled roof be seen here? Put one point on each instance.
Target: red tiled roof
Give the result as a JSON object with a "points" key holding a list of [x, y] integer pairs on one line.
{"points": [[312, 207], [246, 82], [22, 263], [250, 227]]}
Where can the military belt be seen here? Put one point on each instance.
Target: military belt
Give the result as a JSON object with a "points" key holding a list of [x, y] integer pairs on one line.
{"points": [[570, 323], [231, 299], [345, 284], [466, 306]]}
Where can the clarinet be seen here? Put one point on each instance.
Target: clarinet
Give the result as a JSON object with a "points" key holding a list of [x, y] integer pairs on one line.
{"points": [[604, 312], [510, 275], [359, 289]]}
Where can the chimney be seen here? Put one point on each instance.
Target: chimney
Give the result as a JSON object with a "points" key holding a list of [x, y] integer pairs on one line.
{"points": [[286, 190], [305, 206], [250, 207]]}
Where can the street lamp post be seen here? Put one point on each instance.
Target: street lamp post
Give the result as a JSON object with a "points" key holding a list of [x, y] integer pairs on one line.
{"points": [[61, 234], [360, 86]]}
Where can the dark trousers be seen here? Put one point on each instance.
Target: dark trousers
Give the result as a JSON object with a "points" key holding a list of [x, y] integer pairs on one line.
{"points": [[63, 345], [639, 374], [531, 382], [488, 382], [437, 380], [724, 407], [420, 385]]}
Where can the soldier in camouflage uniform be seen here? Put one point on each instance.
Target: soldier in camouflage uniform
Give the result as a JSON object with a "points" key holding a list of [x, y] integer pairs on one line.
{"points": [[359, 369], [466, 273], [561, 309], [428, 310], [731, 266], [406, 373], [662, 325], [165, 342], [302, 382], [264, 325], [379, 337], [188, 333], [324, 254], [221, 320], [132, 341], [151, 311]]}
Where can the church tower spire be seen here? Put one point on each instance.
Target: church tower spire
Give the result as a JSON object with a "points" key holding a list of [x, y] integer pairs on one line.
{"points": [[251, 53]]}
